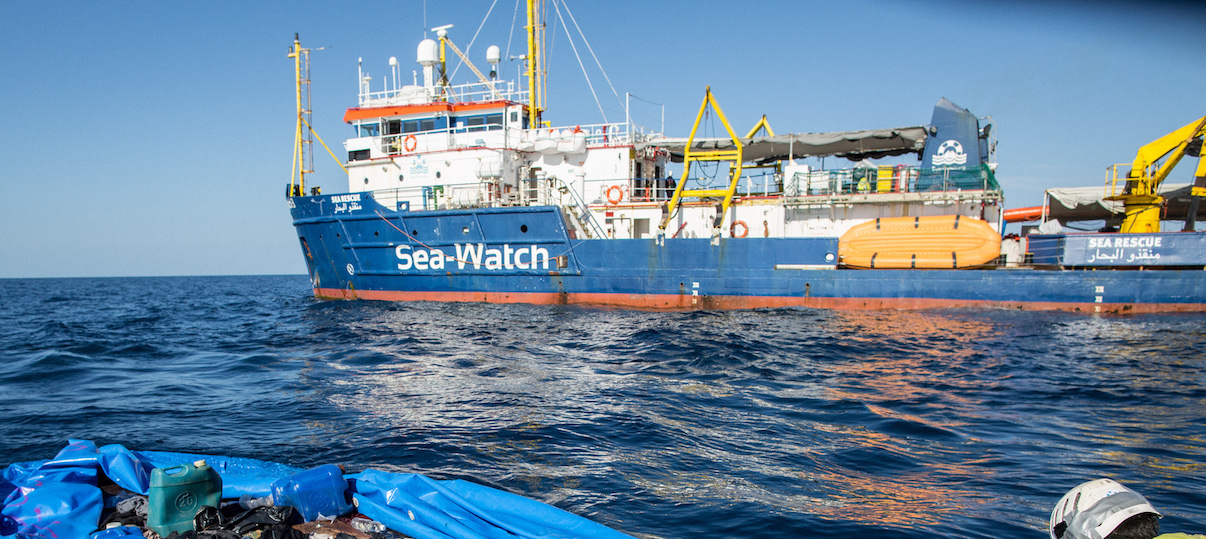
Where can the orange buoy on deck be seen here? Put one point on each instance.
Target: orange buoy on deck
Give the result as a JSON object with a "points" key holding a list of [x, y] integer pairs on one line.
{"points": [[936, 242]]}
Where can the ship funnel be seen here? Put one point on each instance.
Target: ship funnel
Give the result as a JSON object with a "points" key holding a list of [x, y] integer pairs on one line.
{"points": [[955, 138]]}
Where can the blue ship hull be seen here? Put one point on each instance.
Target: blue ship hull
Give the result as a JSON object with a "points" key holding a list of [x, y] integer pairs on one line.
{"points": [[358, 249]]}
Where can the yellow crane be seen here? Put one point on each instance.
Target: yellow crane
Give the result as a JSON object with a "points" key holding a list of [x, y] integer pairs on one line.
{"points": [[690, 155], [1140, 196]]}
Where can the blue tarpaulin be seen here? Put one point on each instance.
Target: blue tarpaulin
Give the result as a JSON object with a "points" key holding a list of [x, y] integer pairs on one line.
{"points": [[60, 498]]}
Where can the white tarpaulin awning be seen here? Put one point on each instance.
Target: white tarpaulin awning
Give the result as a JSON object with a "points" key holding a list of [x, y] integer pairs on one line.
{"points": [[1088, 203]]}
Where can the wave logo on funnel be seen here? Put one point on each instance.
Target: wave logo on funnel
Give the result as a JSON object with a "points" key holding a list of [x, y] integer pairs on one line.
{"points": [[950, 153]]}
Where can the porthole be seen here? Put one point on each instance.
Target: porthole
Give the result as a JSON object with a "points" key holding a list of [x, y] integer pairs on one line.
{"points": [[437, 174], [399, 177], [366, 181], [523, 228], [465, 230], [376, 233]]}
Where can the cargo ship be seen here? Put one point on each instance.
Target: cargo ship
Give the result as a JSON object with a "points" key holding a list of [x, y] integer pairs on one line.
{"points": [[465, 193]]}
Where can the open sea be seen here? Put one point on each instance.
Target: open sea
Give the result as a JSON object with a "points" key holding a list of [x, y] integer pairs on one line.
{"points": [[743, 424]]}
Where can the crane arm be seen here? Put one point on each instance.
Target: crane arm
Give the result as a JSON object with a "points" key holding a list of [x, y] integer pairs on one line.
{"points": [[1141, 198], [1172, 145], [472, 67]]}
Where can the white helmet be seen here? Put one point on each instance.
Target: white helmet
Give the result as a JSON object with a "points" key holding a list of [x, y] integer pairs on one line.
{"points": [[1092, 510]]}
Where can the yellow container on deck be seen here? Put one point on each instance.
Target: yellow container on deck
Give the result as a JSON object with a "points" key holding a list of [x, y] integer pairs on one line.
{"points": [[883, 180]]}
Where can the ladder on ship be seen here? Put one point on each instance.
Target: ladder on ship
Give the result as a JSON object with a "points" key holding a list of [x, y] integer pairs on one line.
{"points": [[690, 155]]}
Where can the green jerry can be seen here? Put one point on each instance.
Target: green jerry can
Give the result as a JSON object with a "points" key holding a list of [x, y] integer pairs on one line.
{"points": [[178, 493]]}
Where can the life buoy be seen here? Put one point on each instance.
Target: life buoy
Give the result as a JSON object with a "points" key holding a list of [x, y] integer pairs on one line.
{"points": [[745, 230], [411, 143], [619, 194]]}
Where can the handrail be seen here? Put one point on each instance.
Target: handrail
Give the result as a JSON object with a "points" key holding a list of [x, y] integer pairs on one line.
{"points": [[461, 93], [583, 208], [884, 180], [426, 192]]}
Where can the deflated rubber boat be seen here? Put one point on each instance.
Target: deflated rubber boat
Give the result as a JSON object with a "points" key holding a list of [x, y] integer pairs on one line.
{"points": [[65, 497]]}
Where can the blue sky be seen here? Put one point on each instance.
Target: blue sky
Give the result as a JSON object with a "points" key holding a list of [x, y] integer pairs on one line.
{"points": [[154, 138]]}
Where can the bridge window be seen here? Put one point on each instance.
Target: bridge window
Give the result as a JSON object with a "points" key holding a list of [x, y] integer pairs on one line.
{"points": [[370, 130], [358, 155], [481, 123], [391, 127]]}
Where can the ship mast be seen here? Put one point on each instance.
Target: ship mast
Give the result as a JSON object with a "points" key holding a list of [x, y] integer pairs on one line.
{"points": [[303, 144], [536, 74]]}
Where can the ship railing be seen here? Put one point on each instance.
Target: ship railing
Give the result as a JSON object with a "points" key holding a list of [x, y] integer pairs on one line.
{"points": [[418, 142], [480, 91], [642, 133], [1112, 177], [462, 93], [627, 191], [480, 194], [569, 139], [543, 191], [658, 190], [499, 136], [554, 190], [889, 179], [604, 134], [867, 181], [486, 193], [1045, 250]]}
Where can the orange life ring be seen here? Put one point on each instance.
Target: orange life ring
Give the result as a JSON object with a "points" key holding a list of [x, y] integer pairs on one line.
{"points": [[619, 194], [411, 143], [745, 229]]}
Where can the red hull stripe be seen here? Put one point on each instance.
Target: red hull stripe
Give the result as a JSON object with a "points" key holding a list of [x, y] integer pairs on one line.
{"points": [[676, 302]]}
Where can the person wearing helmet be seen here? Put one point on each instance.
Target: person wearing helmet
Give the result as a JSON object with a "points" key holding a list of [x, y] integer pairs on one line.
{"points": [[1104, 509]]}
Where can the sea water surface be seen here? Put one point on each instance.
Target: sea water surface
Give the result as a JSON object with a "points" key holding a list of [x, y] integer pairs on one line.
{"points": [[744, 424]]}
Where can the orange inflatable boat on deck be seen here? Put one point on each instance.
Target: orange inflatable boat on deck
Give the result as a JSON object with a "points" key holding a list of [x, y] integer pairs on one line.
{"points": [[937, 242]]}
